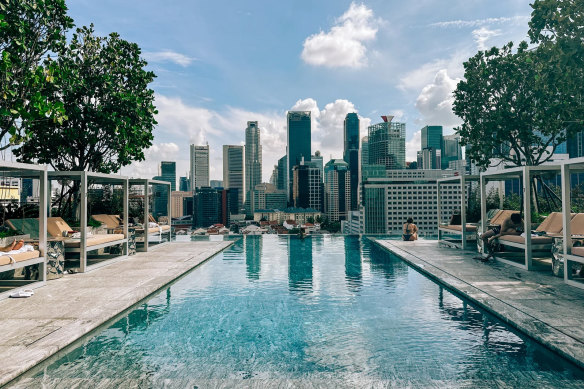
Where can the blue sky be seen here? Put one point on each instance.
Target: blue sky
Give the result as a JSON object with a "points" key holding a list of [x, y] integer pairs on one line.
{"points": [[222, 63]]}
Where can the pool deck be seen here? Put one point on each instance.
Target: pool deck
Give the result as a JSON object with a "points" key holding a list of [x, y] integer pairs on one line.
{"points": [[536, 303], [68, 308]]}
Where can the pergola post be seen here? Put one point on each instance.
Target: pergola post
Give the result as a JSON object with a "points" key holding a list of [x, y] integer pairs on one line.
{"points": [[527, 187], [483, 205], [83, 223], [566, 211], [168, 210], [126, 188], [463, 209], [439, 207], [43, 223], [146, 214]]}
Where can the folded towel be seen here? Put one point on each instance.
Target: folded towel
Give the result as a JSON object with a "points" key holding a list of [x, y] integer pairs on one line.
{"points": [[152, 225]]}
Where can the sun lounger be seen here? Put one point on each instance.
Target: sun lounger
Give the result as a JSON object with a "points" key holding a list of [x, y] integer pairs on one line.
{"points": [[56, 227], [551, 226]]}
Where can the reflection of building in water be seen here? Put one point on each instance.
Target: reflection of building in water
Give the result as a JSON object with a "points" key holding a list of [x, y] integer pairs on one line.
{"points": [[386, 264], [300, 264], [353, 267], [253, 256]]}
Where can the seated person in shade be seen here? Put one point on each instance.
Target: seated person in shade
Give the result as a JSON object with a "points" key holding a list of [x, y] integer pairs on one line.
{"points": [[513, 225], [410, 230]]}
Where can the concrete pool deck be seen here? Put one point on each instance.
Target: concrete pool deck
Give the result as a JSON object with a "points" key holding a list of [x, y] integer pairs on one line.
{"points": [[538, 304], [60, 313]]}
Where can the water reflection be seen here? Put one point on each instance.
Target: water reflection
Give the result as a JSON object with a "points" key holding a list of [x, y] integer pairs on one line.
{"points": [[384, 263], [353, 266], [300, 264], [253, 257]]}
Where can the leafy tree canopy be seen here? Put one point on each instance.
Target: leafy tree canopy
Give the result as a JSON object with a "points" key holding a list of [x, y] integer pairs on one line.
{"points": [[29, 31], [103, 87]]}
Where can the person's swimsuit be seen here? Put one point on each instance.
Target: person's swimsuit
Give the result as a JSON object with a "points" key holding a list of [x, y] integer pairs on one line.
{"points": [[407, 235]]}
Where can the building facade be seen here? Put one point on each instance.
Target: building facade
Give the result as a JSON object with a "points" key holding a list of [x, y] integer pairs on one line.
{"points": [[307, 188], [199, 176], [184, 184], [387, 144], [233, 171], [282, 177], [267, 196], [451, 150], [253, 159], [206, 207], [168, 173], [337, 190], [177, 203], [351, 155], [298, 141]]}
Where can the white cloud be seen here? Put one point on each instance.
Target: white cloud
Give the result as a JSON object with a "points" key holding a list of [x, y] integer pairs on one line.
{"points": [[480, 22], [153, 156], [343, 45], [482, 35], [436, 99], [168, 56], [413, 146]]}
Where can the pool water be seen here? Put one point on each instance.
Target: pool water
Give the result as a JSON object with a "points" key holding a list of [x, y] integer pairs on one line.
{"points": [[320, 311]]}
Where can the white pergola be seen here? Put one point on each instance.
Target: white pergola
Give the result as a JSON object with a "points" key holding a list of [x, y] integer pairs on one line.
{"points": [[146, 184], [85, 179], [462, 180], [569, 167], [37, 172], [525, 174]]}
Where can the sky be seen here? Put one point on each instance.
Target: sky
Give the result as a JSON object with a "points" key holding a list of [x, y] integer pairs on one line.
{"points": [[222, 63]]}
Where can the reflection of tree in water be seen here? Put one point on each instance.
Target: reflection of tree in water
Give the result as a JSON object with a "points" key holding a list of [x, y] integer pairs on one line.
{"points": [[110, 344], [383, 262], [253, 256], [300, 264], [353, 267]]}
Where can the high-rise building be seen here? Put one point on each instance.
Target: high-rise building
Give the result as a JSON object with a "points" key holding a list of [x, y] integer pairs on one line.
{"points": [[253, 158], [337, 190], [168, 173], [575, 145], [299, 141], [317, 160], [387, 144], [177, 203], [233, 171], [216, 184], [199, 176], [184, 184], [432, 137], [351, 155], [451, 150], [432, 148], [365, 150], [207, 207], [307, 187], [229, 204], [282, 182], [267, 196]]}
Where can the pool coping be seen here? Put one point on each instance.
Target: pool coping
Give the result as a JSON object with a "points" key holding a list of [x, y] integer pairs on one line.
{"points": [[141, 293], [536, 328]]}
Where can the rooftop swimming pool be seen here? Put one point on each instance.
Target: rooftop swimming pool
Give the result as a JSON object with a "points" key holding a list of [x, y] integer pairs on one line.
{"points": [[320, 311]]}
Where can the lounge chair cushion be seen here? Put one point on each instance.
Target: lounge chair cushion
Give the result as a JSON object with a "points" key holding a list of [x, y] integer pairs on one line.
{"points": [[579, 251], [94, 240], [56, 226], [577, 224], [110, 221], [469, 227], [500, 216], [520, 239], [553, 223], [5, 259], [154, 230]]}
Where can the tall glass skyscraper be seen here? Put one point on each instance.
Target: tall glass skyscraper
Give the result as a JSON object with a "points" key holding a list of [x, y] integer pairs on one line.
{"points": [[282, 179], [233, 171], [337, 189], [351, 155], [253, 158], [199, 166], [387, 144], [432, 148], [299, 141], [168, 173], [451, 150]]}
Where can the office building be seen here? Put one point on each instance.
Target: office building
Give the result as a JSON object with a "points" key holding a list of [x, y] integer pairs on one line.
{"points": [[365, 150], [451, 150], [307, 186], [184, 184], [233, 171], [431, 137], [298, 141], [177, 203], [168, 173], [351, 155], [282, 177], [387, 144], [159, 196], [430, 157], [267, 196], [575, 145], [253, 159], [199, 176], [207, 207], [229, 204], [391, 196], [216, 184], [316, 160], [337, 190]]}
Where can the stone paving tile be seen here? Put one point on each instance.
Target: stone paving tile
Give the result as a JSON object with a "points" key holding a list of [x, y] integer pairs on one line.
{"points": [[66, 309], [535, 302]]}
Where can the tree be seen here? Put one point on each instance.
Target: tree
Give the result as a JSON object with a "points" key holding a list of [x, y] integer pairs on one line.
{"points": [[103, 87], [507, 114], [29, 29]]}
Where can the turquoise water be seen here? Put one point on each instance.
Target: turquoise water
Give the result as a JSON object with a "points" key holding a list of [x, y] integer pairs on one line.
{"points": [[323, 311]]}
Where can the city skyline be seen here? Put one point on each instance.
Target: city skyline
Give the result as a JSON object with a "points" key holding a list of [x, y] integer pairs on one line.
{"points": [[206, 72]]}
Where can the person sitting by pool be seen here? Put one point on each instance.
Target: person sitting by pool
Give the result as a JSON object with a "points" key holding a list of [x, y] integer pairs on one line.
{"points": [[410, 230], [512, 225]]}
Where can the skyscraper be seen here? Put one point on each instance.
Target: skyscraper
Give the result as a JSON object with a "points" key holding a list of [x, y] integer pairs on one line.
{"points": [[282, 177], [184, 184], [387, 144], [168, 173], [451, 150], [365, 150], [316, 160], [432, 137], [432, 146], [351, 155], [337, 190], [233, 171], [307, 187], [299, 141], [253, 158], [207, 207], [199, 166]]}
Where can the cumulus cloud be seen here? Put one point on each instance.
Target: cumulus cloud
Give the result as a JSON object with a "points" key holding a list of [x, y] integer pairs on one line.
{"points": [[168, 56], [413, 146], [482, 35], [344, 44], [153, 156], [436, 99]]}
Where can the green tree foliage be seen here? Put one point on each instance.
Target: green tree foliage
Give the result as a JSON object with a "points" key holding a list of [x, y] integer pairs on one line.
{"points": [[29, 30], [103, 87], [507, 113]]}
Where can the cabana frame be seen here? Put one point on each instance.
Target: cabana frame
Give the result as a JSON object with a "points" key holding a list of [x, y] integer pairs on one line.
{"points": [[526, 175], [575, 165], [100, 179], [462, 180], [24, 170], [146, 183]]}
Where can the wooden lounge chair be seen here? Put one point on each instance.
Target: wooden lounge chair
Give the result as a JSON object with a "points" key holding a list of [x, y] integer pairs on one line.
{"points": [[577, 231], [550, 227], [56, 226]]}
